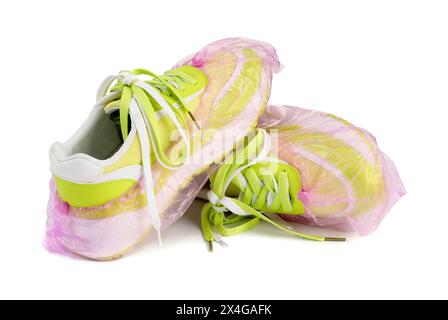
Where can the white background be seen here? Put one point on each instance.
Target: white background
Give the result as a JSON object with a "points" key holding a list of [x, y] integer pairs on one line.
{"points": [[382, 65]]}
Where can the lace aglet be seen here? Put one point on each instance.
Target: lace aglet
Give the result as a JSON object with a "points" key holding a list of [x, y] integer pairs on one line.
{"points": [[159, 237], [222, 243], [335, 239], [210, 245]]}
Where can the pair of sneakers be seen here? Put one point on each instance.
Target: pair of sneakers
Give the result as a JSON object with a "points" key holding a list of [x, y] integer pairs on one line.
{"points": [[151, 143]]}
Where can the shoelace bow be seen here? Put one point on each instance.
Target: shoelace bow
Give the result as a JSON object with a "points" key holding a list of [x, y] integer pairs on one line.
{"points": [[256, 191], [132, 98]]}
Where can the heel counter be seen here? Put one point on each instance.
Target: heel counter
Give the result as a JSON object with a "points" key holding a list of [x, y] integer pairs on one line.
{"points": [[91, 194], [80, 180]]}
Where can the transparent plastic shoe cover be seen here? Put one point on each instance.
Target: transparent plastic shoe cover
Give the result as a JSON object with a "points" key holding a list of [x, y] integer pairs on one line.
{"points": [[239, 75], [347, 182]]}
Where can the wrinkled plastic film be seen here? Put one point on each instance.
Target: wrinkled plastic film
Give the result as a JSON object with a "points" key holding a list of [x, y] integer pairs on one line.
{"points": [[348, 183], [239, 75]]}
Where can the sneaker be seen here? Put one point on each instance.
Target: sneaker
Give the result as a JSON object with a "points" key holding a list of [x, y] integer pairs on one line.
{"points": [[302, 167], [148, 145]]}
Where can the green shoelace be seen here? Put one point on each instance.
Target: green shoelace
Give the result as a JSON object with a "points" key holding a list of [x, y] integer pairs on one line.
{"points": [[129, 87], [229, 215], [132, 96]]}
